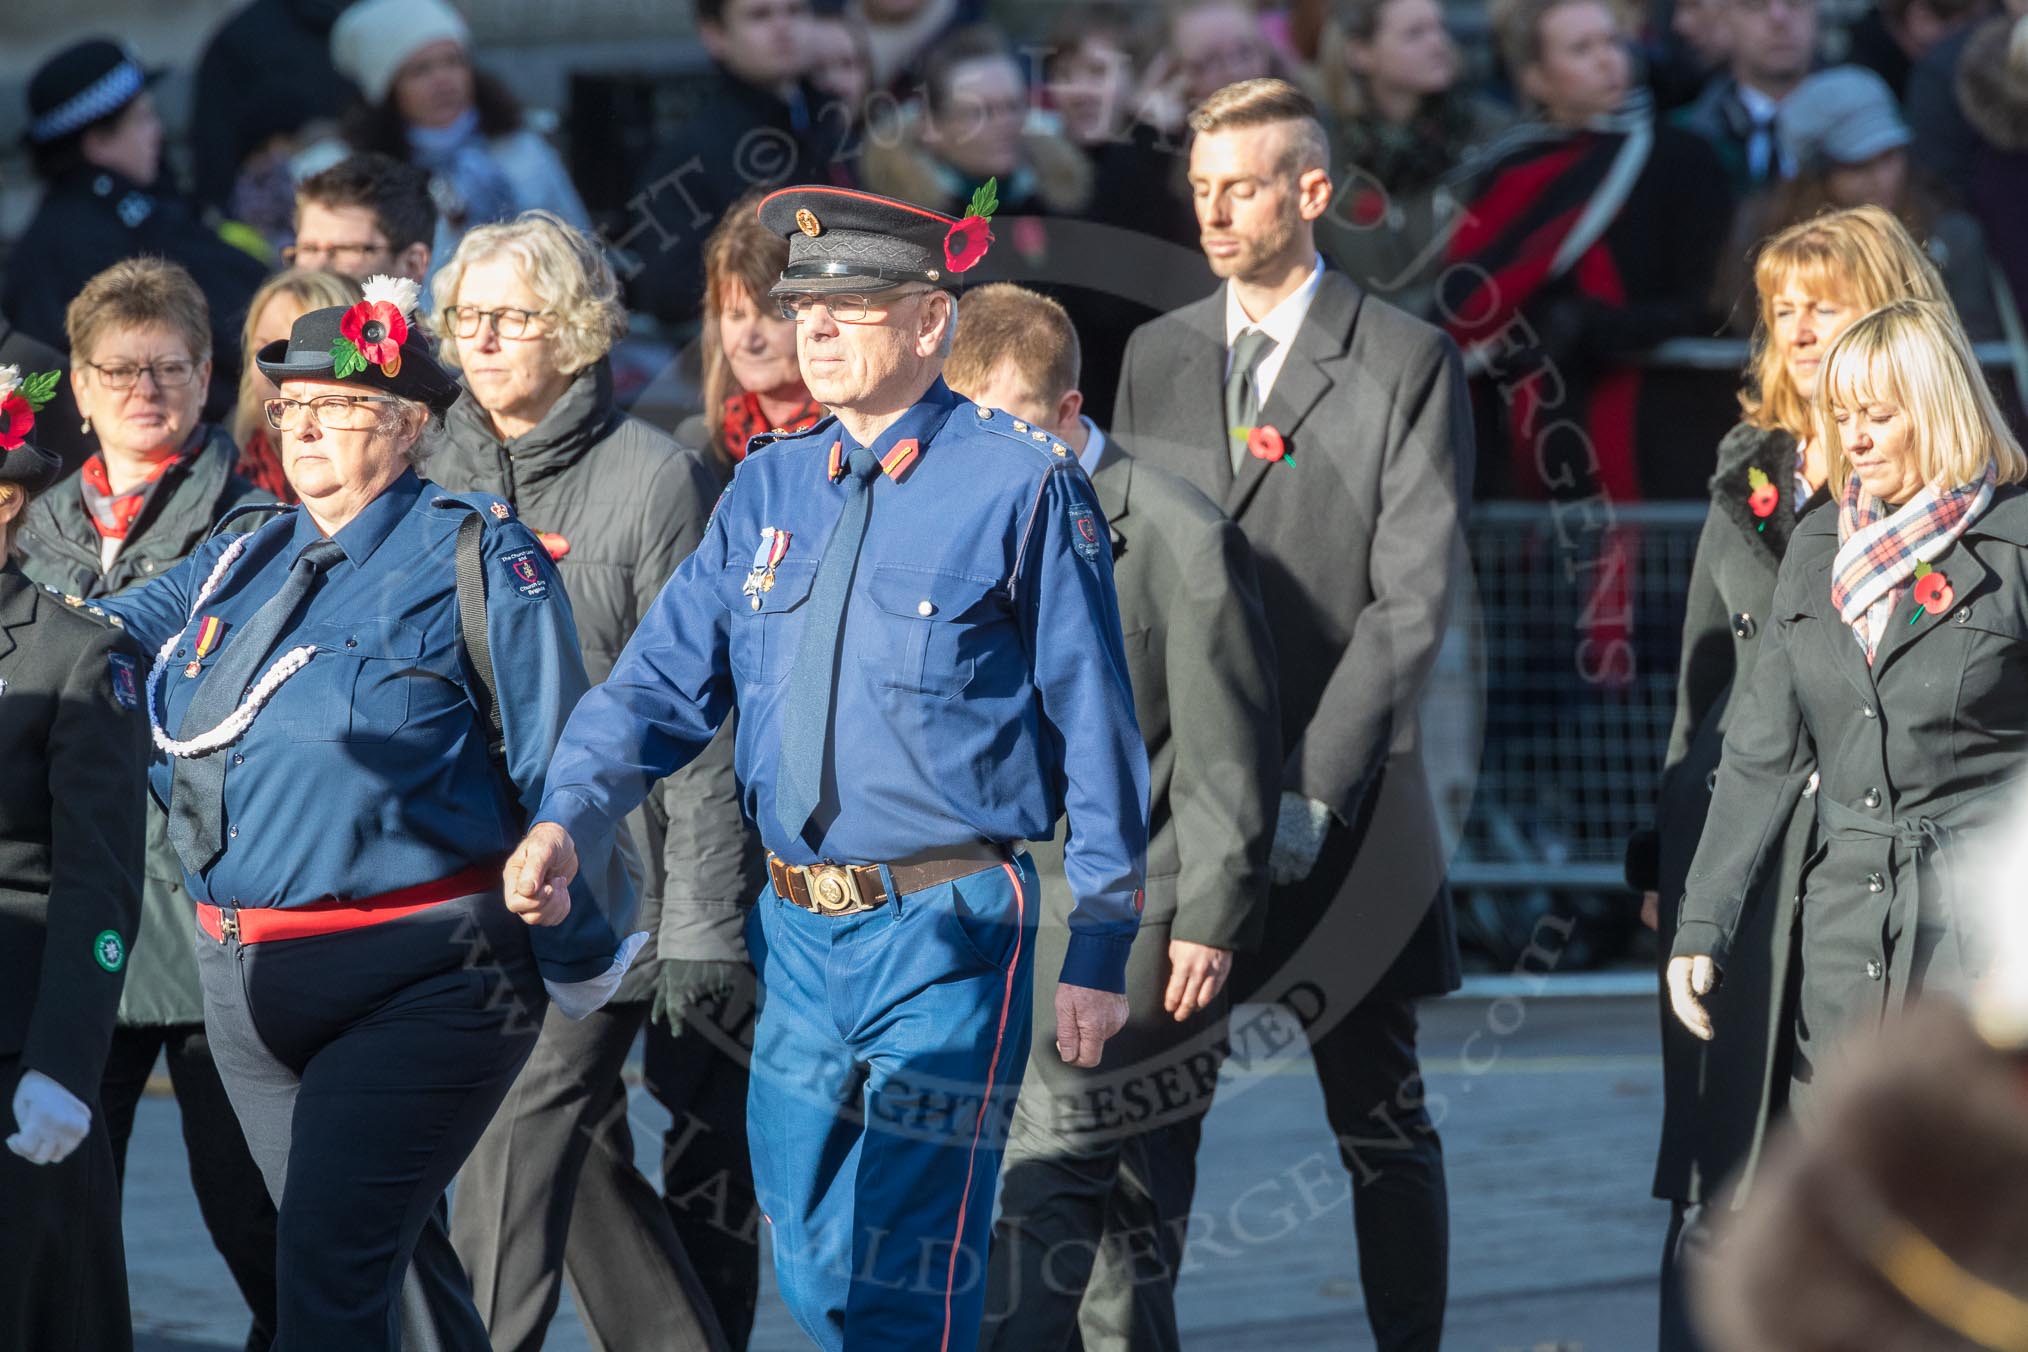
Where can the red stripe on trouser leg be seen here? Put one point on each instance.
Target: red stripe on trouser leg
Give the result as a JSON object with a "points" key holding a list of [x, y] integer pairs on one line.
{"points": [[986, 1099]]}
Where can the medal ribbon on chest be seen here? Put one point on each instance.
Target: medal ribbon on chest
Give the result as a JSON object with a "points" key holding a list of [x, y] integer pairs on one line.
{"points": [[761, 576]]}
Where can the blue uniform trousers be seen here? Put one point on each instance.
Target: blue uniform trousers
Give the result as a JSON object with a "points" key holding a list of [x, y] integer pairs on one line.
{"points": [[364, 1066], [887, 1058]]}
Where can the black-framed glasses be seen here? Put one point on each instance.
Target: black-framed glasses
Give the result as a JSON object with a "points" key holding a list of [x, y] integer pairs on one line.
{"points": [[467, 320], [847, 307], [171, 373], [341, 256], [337, 412]]}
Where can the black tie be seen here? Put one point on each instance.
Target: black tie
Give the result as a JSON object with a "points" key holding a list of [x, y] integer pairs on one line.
{"points": [[197, 799]]}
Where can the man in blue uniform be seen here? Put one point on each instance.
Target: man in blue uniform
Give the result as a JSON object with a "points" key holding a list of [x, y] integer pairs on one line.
{"points": [[912, 607]]}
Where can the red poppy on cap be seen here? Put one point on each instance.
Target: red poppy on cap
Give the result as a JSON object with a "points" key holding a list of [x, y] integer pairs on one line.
{"points": [[378, 330]]}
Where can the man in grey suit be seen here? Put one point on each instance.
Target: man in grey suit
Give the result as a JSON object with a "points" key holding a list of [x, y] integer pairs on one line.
{"points": [[1101, 1163], [1334, 429]]}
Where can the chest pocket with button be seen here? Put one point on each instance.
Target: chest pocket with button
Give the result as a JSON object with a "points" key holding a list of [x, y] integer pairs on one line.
{"points": [[765, 625], [1994, 633], [371, 671], [936, 627]]}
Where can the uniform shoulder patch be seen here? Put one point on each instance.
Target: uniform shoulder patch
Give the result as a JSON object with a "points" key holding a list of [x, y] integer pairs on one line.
{"points": [[525, 573], [1086, 536], [109, 950], [124, 674]]}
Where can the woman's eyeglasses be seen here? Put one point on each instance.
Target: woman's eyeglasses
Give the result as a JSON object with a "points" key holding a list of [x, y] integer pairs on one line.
{"points": [[337, 412], [467, 320], [172, 374]]}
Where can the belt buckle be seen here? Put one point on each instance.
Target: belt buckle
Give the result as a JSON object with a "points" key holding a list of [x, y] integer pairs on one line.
{"points": [[833, 889]]}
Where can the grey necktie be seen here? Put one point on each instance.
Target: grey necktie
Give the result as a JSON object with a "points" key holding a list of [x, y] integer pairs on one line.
{"points": [[1242, 396]]}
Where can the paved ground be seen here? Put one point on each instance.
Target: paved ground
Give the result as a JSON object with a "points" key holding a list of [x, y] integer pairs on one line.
{"points": [[1550, 1109]]}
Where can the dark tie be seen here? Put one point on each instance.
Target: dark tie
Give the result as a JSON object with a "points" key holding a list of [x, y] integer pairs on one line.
{"points": [[1242, 393], [806, 707], [197, 799]]}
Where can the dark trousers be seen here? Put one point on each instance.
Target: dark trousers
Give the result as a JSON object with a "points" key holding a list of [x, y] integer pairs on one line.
{"points": [[63, 1265], [1689, 1232], [1100, 1169], [1374, 1099], [551, 1191], [707, 1170], [230, 1195], [364, 1066]]}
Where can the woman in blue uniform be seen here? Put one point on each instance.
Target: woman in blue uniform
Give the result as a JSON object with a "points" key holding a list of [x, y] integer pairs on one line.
{"points": [[341, 802]]}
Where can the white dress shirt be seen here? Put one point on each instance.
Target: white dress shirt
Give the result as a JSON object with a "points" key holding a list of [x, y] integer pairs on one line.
{"points": [[1094, 447], [1281, 324]]}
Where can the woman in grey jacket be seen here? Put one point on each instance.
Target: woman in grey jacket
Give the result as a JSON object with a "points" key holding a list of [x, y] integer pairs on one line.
{"points": [[529, 310], [1811, 281], [1890, 680]]}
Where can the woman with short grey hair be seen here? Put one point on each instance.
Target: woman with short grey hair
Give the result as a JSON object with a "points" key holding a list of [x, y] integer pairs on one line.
{"points": [[528, 309]]}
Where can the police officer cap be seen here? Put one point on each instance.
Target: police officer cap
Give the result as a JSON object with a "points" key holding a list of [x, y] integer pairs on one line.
{"points": [[80, 85], [376, 342], [842, 240]]}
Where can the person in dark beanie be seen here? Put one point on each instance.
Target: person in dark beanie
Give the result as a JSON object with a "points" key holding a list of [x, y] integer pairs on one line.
{"points": [[71, 813], [96, 142]]}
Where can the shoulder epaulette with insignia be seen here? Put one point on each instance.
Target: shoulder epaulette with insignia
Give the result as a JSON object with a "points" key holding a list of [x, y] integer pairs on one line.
{"points": [[489, 507], [762, 440], [84, 607], [1014, 429], [248, 509]]}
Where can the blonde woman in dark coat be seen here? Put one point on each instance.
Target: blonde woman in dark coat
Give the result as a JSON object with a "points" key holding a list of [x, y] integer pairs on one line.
{"points": [[1811, 281], [1890, 680]]}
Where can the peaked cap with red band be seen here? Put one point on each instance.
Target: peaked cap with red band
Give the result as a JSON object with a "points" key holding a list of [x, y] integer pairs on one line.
{"points": [[844, 240]]}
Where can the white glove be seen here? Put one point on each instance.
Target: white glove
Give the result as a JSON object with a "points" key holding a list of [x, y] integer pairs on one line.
{"points": [[1299, 837], [49, 1120], [578, 999]]}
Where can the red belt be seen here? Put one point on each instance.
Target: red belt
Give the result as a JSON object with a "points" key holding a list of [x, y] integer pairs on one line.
{"points": [[255, 925]]}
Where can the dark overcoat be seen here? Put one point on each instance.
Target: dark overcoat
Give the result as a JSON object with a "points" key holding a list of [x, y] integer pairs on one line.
{"points": [[1914, 756]]}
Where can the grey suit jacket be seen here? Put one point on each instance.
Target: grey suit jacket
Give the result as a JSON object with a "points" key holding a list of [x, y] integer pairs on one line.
{"points": [[1202, 664], [1359, 543]]}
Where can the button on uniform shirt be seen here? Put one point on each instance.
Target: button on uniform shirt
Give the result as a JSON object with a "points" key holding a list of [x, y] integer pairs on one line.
{"points": [[981, 686], [367, 770], [1282, 324]]}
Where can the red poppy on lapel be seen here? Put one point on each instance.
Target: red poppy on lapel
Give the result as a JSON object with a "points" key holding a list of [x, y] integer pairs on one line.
{"points": [[1764, 498], [1265, 443], [1932, 592]]}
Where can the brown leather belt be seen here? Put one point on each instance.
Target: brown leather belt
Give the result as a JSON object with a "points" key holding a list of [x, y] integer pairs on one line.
{"points": [[848, 889]]}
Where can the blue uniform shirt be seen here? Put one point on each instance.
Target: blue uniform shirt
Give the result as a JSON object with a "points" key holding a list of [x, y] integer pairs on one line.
{"points": [[367, 770], [982, 682]]}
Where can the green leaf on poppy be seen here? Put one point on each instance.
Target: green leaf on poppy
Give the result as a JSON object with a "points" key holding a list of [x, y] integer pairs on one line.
{"points": [[39, 388], [1922, 570], [1757, 478], [986, 200], [346, 358]]}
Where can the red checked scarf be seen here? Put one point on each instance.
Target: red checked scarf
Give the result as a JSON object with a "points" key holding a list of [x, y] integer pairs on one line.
{"points": [[744, 420], [1878, 552], [113, 514]]}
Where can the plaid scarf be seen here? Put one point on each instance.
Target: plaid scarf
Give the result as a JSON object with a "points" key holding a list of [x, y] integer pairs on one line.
{"points": [[1878, 552], [113, 514]]}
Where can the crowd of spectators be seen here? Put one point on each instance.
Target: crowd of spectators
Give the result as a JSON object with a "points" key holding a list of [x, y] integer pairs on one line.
{"points": [[1563, 184]]}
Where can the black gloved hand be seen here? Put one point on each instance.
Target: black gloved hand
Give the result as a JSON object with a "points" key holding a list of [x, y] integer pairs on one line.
{"points": [[725, 993]]}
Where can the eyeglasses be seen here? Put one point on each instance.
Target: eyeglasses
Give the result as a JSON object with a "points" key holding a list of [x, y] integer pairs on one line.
{"points": [[340, 255], [846, 307], [467, 320], [337, 412], [170, 374]]}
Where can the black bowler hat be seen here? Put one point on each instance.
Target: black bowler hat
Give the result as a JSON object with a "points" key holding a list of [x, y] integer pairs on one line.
{"points": [[81, 84], [376, 342], [30, 466], [842, 240]]}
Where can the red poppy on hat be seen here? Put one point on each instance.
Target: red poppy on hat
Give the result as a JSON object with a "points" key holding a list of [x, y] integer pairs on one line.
{"points": [[20, 400], [1265, 443], [375, 328], [967, 241]]}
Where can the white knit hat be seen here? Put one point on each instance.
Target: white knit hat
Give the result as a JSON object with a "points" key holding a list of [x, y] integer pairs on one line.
{"points": [[373, 38]]}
